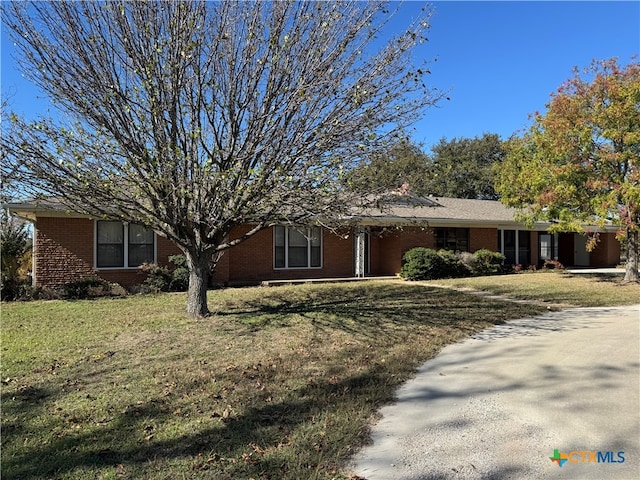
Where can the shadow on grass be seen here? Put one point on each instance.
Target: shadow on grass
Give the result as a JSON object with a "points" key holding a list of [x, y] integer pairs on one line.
{"points": [[257, 436], [268, 439], [615, 278], [372, 312]]}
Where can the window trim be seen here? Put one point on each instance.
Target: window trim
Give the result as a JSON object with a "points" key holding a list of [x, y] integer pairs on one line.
{"points": [[125, 248], [307, 233]]}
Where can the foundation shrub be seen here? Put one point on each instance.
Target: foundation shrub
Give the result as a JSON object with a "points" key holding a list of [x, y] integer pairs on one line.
{"points": [[553, 265], [486, 262], [90, 287], [166, 279], [454, 267], [422, 264], [427, 264]]}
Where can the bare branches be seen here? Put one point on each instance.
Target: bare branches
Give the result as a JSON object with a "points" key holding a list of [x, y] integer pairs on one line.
{"points": [[193, 117]]}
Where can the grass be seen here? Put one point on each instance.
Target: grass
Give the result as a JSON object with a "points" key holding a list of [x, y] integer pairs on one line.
{"points": [[557, 286], [281, 383]]}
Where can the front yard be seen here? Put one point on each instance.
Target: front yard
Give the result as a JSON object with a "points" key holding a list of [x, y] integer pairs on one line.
{"points": [[584, 290], [280, 383]]}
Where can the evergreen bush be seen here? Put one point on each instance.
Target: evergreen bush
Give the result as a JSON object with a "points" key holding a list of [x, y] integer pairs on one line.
{"points": [[86, 288], [487, 262], [454, 267], [422, 264], [165, 279], [180, 274]]}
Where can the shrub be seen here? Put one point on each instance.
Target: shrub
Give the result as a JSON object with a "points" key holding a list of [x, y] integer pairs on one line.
{"points": [[86, 288], [180, 274], [12, 288], [422, 264], [426, 264], [486, 262], [467, 260], [158, 278], [453, 265], [27, 292], [553, 265], [164, 279]]}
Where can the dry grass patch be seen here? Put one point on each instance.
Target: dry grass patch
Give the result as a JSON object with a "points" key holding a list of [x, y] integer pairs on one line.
{"points": [[281, 383], [583, 290]]}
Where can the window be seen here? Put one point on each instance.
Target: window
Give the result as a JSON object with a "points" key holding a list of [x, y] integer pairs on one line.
{"points": [[524, 247], [454, 239], [509, 246], [298, 248], [515, 245], [119, 245], [140, 245], [547, 247]]}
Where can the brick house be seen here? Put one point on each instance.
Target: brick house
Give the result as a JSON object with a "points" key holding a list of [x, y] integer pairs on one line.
{"points": [[69, 246]]}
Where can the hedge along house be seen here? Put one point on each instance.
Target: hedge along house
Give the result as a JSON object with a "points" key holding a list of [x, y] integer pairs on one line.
{"points": [[69, 247]]}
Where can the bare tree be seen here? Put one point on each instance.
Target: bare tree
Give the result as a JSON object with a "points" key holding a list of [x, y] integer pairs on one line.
{"points": [[195, 117]]}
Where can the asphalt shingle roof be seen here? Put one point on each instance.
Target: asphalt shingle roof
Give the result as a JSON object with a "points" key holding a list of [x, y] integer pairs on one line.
{"points": [[398, 208]]}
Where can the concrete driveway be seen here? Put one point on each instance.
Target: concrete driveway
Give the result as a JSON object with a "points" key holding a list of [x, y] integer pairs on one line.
{"points": [[498, 405]]}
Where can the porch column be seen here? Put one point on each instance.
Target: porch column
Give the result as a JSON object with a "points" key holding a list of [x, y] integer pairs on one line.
{"points": [[360, 251]]}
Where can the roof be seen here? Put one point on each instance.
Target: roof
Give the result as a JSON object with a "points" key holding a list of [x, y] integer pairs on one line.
{"points": [[437, 210], [46, 207], [395, 208]]}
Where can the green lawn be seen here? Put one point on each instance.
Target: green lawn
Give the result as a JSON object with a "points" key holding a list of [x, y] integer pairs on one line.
{"points": [[280, 383], [584, 290]]}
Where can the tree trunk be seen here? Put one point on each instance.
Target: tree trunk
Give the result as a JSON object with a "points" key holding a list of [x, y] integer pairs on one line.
{"points": [[198, 264], [631, 274]]}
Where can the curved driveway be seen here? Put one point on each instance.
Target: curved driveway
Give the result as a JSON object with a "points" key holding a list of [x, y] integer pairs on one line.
{"points": [[498, 405]]}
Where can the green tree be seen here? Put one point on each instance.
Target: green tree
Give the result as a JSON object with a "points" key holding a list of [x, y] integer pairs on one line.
{"points": [[398, 164], [463, 167], [193, 117], [14, 247], [578, 164]]}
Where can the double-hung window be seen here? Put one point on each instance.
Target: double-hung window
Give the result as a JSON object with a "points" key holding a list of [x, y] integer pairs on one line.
{"points": [[120, 245], [297, 248]]}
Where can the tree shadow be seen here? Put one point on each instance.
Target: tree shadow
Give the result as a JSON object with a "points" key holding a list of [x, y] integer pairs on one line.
{"points": [[375, 312], [255, 432]]}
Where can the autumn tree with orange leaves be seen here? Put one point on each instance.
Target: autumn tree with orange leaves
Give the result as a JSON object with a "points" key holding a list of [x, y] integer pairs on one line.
{"points": [[578, 164]]}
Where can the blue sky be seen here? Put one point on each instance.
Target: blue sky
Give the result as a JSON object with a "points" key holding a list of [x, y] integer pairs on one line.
{"points": [[499, 61], [502, 60]]}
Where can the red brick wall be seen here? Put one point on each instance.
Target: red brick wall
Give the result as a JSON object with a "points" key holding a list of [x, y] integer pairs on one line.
{"points": [[65, 252], [480, 238], [220, 273], [535, 248], [252, 260], [387, 250], [165, 248], [606, 253]]}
